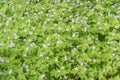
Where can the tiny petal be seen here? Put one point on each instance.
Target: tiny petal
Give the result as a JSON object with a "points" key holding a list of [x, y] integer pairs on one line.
{"points": [[43, 76], [10, 71], [1, 59]]}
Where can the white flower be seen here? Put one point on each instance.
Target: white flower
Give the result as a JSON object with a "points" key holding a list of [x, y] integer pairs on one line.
{"points": [[73, 60], [63, 14], [28, 21], [51, 16], [7, 61], [85, 63], [7, 23], [30, 33], [26, 13], [4, 15], [25, 30], [96, 39], [25, 55], [49, 10], [77, 14], [81, 63], [24, 65], [29, 40], [76, 68], [32, 44], [118, 59], [59, 41], [48, 20], [22, 18], [113, 34], [1, 72], [65, 57], [91, 79], [47, 38], [85, 29], [24, 40], [9, 30], [100, 14], [1, 44], [35, 14], [67, 29], [55, 24], [41, 55], [89, 2], [62, 67], [113, 6], [89, 39], [111, 42], [13, 8], [56, 59], [115, 49], [86, 44], [63, 9], [8, 37], [27, 69], [116, 27], [103, 69], [61, 19], [85, 69], [43, 76], [12, 45], [108, 42], [65, 77], [10, 71], [113, 54], [4, 30], [59, 28], [73, 35], [27, 48], [94, 60], [73, 20], [77, 46], [58, 71], [99, 28], [74, 49], [44, 46], [43, 8], [15, 35], [93, 47], [70, 16], [96, 0], [72, 26], [47, 58], [43, 26], [48, 44], [45, 22], [33, 28]]}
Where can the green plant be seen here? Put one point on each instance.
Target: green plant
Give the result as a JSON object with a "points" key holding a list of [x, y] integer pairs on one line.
{"points": [[51, 40]]}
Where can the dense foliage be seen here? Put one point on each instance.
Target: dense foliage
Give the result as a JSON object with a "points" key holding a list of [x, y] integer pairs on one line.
{"points": [[59, 39]]}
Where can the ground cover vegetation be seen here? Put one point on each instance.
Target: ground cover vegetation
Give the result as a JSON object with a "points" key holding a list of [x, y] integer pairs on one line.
{"points": [[59, 39]]}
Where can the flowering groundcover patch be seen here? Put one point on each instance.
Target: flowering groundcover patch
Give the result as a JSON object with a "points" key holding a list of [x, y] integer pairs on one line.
{"points": [[59, 40]]}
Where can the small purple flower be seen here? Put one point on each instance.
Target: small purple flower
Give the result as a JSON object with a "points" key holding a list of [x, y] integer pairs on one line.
{"points": [[1, 59]]}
